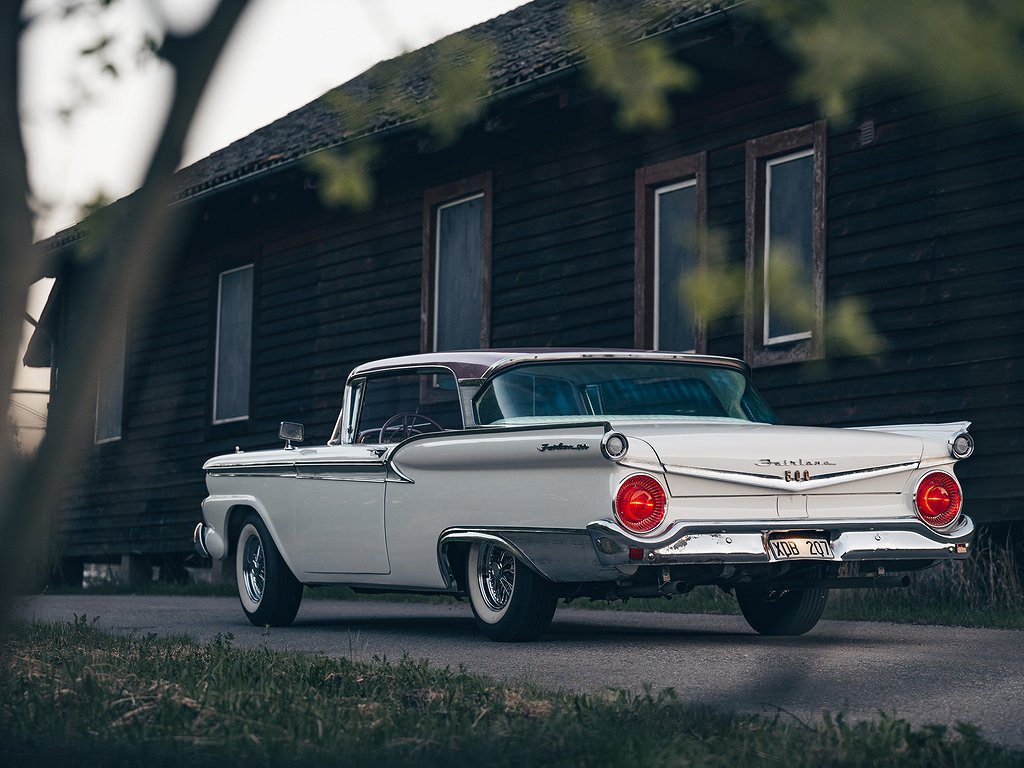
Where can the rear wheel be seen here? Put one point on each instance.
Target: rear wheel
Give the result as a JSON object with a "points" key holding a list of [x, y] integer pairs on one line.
{"points": [[781, 611], [510, 602], [269, 592]]}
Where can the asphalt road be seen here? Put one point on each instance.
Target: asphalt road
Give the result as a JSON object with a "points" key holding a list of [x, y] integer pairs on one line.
{"points": [[926, 675]]}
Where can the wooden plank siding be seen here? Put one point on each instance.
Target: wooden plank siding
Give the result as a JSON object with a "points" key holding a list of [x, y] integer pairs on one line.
{"points": [[925, 227]]}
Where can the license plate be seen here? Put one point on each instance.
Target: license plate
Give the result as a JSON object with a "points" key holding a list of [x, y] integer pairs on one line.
{"points": [[800, 548]]}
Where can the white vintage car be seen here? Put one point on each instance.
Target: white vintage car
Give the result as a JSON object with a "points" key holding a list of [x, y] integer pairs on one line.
{"points": [[517, 478]]}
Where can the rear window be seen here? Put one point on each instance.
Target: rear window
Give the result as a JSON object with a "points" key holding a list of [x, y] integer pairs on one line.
{"points": [[623, 388]]}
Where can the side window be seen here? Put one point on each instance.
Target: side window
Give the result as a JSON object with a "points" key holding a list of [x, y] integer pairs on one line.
{"points": [[785, 246], [456, 265], [396, 406], [671, 214], [233, 361], [110, 392]]}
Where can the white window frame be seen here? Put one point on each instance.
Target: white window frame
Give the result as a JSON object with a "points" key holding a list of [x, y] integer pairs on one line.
{"points": [[104, 381], [435, 200], [437, 253], [658, 192], [768, 339], [760, 348], [650, 181]]}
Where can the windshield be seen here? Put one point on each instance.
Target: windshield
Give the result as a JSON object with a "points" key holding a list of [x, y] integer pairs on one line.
{"points": [[623, 388]]}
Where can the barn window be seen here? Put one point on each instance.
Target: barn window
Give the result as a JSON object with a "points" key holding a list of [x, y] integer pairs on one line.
{"points": [[231, 376], [456, 265], [110, 391], [671, 206], [784, 321]]}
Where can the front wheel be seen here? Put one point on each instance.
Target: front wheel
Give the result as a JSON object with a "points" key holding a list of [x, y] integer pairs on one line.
{"points": [[781, 611], [269, 592], [510, 602]]}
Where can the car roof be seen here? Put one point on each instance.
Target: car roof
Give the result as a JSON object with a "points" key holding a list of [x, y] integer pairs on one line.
{"points": [[470, 365]]}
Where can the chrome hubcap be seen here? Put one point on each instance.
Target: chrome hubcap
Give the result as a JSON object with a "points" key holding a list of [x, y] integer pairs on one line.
{"points": [[496, 573], [254, 568]]}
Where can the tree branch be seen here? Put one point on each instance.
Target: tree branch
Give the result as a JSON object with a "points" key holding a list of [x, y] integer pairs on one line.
{"points": [[16, 251], [137, 242]]}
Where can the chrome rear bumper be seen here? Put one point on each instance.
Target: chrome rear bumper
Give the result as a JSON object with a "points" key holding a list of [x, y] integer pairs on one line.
{"points": [[605, 552], [743, 543]]}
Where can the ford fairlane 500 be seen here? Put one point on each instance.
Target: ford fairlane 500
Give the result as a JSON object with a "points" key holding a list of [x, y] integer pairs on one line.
{"points": [[518, 478]]}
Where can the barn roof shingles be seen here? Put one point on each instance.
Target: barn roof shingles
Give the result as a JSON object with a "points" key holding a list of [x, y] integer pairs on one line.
{"points": [[529, 43]]}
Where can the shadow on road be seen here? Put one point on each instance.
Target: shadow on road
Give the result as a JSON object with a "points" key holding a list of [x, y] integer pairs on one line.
{"points": [[591, 628]]}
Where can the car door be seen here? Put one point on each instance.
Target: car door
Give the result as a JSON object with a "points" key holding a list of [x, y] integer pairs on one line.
{"points": [[339, 510], [339, 506]]}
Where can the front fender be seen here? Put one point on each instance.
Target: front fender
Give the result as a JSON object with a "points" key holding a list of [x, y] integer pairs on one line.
{"points": [[216, 533]]}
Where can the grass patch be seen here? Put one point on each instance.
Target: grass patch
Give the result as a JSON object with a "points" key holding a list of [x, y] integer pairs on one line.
{"points": [[985, 590], [72, 694]]}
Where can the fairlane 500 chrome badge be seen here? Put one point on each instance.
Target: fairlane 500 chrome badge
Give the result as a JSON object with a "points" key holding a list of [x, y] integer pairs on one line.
{"points": [[563, 447], [795, 475], [794, 463]]}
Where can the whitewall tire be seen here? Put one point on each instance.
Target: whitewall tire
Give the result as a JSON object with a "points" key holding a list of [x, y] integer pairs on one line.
{"points": [[269, 592], [510, 602]]}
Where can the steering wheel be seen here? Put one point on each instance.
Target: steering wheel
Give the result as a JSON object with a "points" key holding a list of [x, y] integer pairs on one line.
{"points": [[404, 425]]}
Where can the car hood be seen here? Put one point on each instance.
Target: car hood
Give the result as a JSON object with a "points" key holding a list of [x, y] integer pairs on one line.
{"points": [[766, 457]]}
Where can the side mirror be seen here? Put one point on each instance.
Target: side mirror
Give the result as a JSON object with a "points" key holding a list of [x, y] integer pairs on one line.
{"points": [[290, 431]]}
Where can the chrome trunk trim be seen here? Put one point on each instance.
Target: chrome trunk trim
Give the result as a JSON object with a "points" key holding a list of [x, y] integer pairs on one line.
{"points": [[780, 484]]}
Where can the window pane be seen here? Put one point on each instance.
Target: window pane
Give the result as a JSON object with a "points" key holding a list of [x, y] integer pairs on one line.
{"points": [[110, 393], [234, 345], [415, 403], [460, 273], [789, 248], [675, 258], [537, 392]]}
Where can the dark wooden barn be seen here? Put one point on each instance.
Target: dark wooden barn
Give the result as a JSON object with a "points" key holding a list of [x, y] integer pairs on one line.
{"points": [[545, 223]]}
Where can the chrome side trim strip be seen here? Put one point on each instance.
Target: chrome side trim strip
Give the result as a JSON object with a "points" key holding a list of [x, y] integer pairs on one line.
{"points": [[248, 472], [350, 471], [359, 472], [644, 466]]}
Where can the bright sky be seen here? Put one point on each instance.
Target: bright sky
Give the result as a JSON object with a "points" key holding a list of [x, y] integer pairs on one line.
{"points": [[284, 54]]}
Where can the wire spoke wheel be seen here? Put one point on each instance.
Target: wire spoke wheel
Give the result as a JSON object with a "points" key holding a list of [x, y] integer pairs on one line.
{"points": [[496, 572], [254, 568], [511, 603], [269, 592]]}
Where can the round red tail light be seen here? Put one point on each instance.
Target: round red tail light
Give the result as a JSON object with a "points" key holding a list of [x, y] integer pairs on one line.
{"points": [[938, 499], [640, 503]]}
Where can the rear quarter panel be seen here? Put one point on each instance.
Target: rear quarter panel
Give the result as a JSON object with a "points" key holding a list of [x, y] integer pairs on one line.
{"points": [[536, 478]]}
